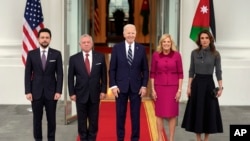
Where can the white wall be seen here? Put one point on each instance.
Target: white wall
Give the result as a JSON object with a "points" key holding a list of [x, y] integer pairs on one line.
{"points": [[11, 66], [232, 42], [232, 20]]}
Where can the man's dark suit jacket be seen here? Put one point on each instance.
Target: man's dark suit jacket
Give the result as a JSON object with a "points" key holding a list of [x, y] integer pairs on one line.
{"points": [[38, 80], [122, 74], [83, 85]]}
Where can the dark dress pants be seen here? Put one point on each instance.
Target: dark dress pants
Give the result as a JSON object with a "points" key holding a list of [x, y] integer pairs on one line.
{"points": [[50, 108], [87, 115], [121, 110]]}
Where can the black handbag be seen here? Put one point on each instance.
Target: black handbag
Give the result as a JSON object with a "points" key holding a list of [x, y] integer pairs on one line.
{"points": [[215, 91]]}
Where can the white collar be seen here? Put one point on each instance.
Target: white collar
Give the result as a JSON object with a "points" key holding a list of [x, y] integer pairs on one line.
{"points": [[42, 49]]}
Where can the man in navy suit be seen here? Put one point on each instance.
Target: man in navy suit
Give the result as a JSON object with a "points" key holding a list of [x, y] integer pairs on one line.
{"points": [[87, 83], [128, 81], [43, 83]]}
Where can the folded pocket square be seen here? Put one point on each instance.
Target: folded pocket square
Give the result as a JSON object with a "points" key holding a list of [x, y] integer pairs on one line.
{"points": [[52, 60], [98, 63]]}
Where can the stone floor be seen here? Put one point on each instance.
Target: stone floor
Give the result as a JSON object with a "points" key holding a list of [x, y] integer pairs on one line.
{"points": [[16, 123]]}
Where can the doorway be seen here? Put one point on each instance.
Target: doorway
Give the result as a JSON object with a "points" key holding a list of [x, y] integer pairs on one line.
{"points": [[94, 17]]}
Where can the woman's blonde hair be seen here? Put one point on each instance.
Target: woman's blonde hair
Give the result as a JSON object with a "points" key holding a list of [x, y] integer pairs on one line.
{"points": [[163, 37]]}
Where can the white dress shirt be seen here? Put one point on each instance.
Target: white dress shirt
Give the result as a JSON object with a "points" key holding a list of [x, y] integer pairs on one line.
{"points": [[132, 48], [46, 52]]}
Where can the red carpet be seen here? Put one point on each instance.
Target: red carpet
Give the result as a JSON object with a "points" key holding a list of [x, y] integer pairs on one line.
{"points": [[107, 124]]}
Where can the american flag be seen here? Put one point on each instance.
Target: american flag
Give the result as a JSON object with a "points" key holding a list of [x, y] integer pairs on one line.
{"points": [[33, 22], [96, 19]]}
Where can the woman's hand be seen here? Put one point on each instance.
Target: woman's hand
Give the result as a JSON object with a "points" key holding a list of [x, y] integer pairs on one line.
{"points": [[188, 92], [219, 92], [178, 96], [154, 95]]}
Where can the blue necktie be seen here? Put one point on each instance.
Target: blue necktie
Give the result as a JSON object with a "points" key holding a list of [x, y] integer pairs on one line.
{"points": [[130, 58]]}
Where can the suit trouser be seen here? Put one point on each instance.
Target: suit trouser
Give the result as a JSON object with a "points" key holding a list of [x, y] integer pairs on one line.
{"points": [[87, 115], [121, 110], [50, 108]]}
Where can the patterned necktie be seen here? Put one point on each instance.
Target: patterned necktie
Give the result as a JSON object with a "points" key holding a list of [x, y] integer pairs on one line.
{"points": [[130, 58], [87, 64], [43, 59]]}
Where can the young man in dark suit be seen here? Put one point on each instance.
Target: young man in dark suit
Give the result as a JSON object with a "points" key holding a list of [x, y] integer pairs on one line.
{"points": [[43, 83], [128, 77], [87, 83]]}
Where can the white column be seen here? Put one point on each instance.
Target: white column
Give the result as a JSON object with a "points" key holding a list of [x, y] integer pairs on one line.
{"points": [[186, 44]]}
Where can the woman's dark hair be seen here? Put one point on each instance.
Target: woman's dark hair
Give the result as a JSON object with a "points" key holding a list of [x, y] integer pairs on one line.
{"points": [[211, 38], [44, 30]]}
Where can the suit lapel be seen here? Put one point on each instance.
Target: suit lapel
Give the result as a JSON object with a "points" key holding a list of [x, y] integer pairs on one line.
{"points": [[124, 53], [39, 58], [82, 63], [136, 52], [49, 56], [94, 61]]}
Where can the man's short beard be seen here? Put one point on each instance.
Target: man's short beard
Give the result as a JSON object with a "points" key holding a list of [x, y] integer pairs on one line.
{"points": [[44, 45]]}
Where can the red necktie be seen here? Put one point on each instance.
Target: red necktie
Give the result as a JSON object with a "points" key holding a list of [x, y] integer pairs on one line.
{"points": [[87, 64]]}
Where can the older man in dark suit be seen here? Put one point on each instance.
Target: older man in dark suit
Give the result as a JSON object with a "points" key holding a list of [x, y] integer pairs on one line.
{"points": [[87, 82], [43, 83], [128, 80]]}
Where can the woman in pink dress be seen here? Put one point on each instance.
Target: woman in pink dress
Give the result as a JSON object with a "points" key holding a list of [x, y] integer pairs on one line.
{"points": [[166, 76]]}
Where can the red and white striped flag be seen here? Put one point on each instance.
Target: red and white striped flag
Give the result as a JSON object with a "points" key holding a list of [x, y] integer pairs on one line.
{"points": [[96, 19], [33, 22]]}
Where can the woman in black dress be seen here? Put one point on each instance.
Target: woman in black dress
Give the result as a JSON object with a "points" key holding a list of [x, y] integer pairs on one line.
{"points": [[202, 114]]}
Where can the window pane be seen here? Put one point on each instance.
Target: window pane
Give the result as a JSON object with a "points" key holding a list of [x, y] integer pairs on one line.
{"points": [[118, 4]]}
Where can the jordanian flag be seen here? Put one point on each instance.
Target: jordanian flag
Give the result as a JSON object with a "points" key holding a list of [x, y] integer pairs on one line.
{"points": [[203, 19]]}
